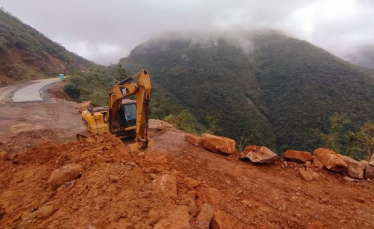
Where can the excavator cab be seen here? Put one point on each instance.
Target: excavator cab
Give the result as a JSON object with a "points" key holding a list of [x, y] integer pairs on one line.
{"points": [[127, 115]]}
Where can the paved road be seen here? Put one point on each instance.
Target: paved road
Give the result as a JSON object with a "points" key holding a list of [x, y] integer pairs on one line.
{"points": [[31, 92]]}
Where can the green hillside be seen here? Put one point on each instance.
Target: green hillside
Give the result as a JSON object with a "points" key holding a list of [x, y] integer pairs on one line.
{"points": [[213, 82], [278, 95], [304, 85], [25, 53]]}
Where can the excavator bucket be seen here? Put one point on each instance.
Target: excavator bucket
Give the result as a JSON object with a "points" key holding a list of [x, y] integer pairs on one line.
{"points": [[150, 145], [137, 146]]}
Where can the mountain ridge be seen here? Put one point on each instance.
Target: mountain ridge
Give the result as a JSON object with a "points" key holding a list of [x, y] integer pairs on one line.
{"points": [[294, 85], [26, 54]]}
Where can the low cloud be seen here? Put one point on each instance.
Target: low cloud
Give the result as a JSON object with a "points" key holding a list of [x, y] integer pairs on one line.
{"points": [[104, 31]]}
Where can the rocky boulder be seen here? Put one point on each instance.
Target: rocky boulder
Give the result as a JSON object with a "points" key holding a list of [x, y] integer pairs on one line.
{"points": [[194, 140], [64, 174], [299, 156], [349, 179], [204, 217], [316, 164], [191, 183], [371, 161], [331, 160], [166, 184], [83, 106], [222, 220], [259, 154], [355, 168], [369, 171], [46, 211], [218, 144], [307, 174]]}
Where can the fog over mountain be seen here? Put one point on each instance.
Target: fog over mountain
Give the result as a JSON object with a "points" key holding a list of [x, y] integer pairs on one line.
{"points": [[104, 31]]}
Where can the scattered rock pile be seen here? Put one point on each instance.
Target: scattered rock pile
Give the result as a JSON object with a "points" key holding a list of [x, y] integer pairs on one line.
{"points": [[98, 183], [331, 160], [313, 163]]}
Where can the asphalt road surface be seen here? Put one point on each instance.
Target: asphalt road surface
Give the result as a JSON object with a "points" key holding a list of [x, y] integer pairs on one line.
{"points": [[31, 92], [29, 112]]}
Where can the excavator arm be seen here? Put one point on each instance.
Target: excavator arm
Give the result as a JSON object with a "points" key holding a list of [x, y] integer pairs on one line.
{"points": [[124, 89]]}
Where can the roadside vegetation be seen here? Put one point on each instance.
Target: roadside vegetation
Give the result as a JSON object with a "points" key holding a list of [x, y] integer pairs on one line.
{"points": [[358, 145], [277, 95], [94, 85]]}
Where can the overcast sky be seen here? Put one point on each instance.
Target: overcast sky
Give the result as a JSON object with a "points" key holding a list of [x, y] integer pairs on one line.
{"points": [[106, 30]]}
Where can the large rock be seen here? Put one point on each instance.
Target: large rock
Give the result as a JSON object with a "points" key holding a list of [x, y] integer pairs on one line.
{"points": [[194, 140], [46, 211], [331, 160], [166, 184], [83, 106], [371, 161], [299, 156], [259, 154], [64, 174], [177, 219], [218, 144], [307, 174], [205, 216], [369, 172], [222, 220], [355, 168]]}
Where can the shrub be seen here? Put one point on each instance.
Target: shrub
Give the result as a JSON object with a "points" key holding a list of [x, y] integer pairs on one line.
{"points": [[72, 91]]}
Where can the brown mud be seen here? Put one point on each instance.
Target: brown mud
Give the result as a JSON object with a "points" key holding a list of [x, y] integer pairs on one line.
{"points": [[119, 189]]}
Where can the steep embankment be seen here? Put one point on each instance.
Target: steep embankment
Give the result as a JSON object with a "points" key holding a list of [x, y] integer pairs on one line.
{"points": [[25, 53], [277, 95]]}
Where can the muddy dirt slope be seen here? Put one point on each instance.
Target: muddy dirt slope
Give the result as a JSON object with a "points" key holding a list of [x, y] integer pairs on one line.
{"points": [[98, 183]]}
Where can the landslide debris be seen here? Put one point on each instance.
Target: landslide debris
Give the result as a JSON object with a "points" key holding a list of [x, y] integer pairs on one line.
{"points": [[177, 186], [95, 183], [27, 139]]}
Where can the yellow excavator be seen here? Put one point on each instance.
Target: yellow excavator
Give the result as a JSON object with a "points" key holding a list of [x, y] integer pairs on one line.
{"points": [[124, 117]]}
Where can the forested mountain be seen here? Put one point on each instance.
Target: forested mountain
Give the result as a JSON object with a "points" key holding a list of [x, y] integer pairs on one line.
{"points": [[276, 95], [25, 53]]}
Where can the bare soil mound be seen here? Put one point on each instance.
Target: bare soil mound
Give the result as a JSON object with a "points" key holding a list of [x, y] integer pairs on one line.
{"points": [[27, 139], [56, 91], [177, 186]]}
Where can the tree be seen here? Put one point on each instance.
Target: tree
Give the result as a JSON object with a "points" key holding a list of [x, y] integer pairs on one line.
{"points": [[243, 141], [361, 143], [121, 73], [72, 90], [332, 138], [186, 121], [212, 120]]}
